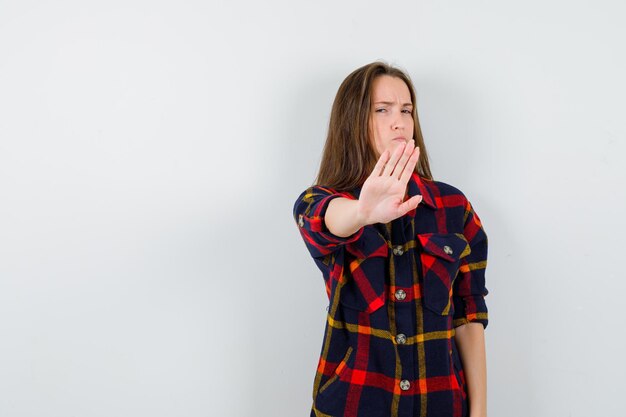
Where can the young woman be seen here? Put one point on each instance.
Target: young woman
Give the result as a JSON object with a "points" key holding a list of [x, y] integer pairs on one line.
{"points": [[403, 258]]}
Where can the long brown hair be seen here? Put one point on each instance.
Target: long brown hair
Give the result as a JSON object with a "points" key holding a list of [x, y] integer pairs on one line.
{"points": [[349, 155]]}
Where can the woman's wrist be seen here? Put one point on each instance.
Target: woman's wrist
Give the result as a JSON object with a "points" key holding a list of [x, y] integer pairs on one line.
{"points": [[362, 217]]}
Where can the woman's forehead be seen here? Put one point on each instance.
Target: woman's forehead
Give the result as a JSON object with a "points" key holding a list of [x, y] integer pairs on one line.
{"points": [[387, 89]]}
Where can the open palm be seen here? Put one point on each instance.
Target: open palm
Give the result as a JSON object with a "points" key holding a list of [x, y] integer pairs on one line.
{"points": [[382, 196]]}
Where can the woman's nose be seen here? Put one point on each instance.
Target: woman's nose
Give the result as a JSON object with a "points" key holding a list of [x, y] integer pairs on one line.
{"points": [[397, 123]]}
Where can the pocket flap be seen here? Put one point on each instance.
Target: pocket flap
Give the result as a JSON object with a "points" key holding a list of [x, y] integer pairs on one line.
{"points": [[448, 246]]}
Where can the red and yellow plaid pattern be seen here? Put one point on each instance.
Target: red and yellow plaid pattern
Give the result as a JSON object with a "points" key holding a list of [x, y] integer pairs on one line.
{"points": [[396, 292]]}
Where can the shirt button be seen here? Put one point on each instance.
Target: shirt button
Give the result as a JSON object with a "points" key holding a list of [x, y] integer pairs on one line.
{"points": [[400, 295], [405, 385], [401, 339], [301, 221], [447, 249], [398, 250]]}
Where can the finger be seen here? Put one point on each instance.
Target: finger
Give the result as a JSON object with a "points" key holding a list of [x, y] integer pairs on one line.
{"points": [[380, 165], [410, 166], [410, 204], [391, 164], [408, 150]]}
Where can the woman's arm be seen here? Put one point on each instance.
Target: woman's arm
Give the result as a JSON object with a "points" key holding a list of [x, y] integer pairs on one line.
{"points": [[342, 217], [470, 339]]}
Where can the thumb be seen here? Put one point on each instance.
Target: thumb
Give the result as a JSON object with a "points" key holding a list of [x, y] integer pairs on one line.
{"points": [[410, 204]]}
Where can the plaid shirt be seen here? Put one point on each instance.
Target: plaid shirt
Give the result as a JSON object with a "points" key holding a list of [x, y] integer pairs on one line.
{"points": [[396, 291]]}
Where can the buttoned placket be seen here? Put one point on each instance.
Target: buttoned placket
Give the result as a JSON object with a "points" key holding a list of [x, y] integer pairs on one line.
{"points": [[401, 276]]}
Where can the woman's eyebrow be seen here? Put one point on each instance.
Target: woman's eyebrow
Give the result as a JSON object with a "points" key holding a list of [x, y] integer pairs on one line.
{"points": [[391, 102]]}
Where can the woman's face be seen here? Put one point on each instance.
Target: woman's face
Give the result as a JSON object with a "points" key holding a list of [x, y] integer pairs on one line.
{"points": [[391, 117]]}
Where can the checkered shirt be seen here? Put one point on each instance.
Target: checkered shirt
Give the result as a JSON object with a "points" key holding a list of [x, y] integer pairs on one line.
{"points": [[396, 293]]}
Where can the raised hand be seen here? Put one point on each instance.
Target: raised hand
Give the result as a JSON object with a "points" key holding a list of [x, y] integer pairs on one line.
{"points": [[382, 196]]}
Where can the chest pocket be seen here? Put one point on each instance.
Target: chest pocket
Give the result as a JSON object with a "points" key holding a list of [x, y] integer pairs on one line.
{"points": [[364, 272], [440, 258]]}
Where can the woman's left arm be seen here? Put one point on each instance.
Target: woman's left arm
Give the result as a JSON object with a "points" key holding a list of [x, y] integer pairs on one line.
{"points": [[470, 340]]}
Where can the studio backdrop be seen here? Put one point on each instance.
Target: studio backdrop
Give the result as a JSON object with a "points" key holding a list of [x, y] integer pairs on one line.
{"points": [[151, 153]]}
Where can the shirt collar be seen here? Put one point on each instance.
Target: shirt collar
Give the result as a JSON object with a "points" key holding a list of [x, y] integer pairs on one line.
{"points": [[417, 185]]}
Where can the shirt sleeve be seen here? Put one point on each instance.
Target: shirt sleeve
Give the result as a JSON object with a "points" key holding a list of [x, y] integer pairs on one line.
{"points": [[309, 211], [469, 287]]}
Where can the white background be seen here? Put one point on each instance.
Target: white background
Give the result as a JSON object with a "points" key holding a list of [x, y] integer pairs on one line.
{"points": [[151, 153]]}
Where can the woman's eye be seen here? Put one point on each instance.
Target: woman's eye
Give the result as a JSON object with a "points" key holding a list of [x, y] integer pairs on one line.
{"points": [[406, 111], [380, 110]]}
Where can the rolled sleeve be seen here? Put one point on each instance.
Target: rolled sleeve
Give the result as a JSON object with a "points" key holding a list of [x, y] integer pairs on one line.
{"points": [[469, 287], [309, 211]]}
